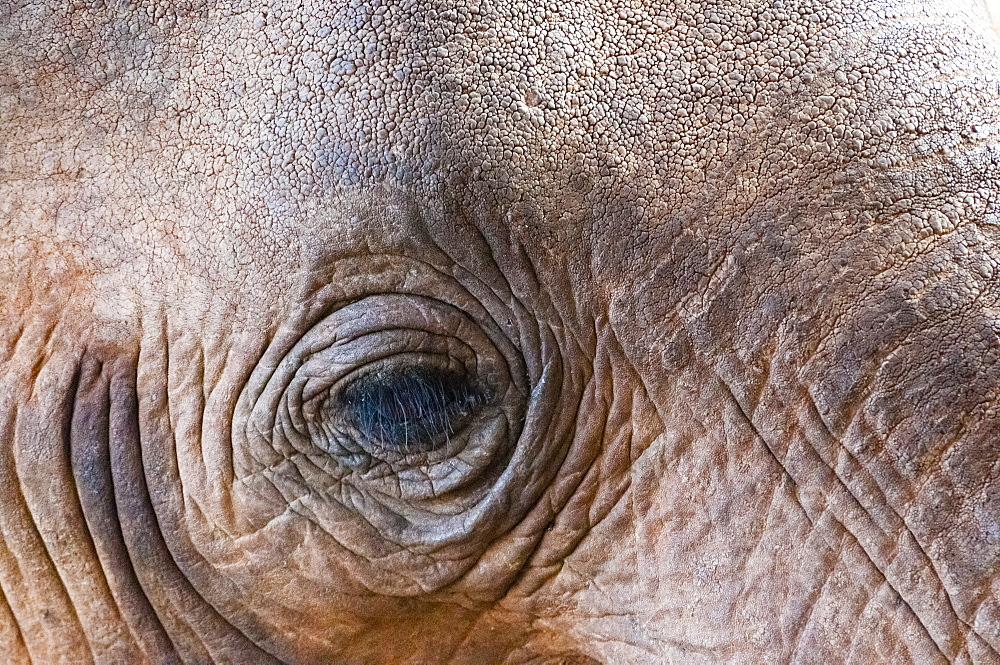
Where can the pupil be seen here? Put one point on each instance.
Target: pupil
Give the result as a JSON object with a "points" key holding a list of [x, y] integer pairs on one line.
{"points": [[411, 408]]}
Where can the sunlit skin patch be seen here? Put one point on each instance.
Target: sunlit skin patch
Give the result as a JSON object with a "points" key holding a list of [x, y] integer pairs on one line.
{"points": [[412, 409], [727, 273]]}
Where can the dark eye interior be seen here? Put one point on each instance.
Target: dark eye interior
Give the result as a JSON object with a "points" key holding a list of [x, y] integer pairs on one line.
{"points": [[411, 409]]}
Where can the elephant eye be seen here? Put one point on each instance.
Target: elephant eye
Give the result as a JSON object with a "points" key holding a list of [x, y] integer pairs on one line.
{"points": [[411, 409]]}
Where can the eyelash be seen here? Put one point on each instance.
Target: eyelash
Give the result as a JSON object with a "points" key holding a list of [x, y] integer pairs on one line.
{"points": [[411, 409]]}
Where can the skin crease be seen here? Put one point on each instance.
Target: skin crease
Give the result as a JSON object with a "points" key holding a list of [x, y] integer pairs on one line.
{"points": [[726, 271]]}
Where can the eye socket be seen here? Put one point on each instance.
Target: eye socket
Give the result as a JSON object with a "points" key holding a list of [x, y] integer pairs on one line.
{"points": [[396, 413], [410, 409], [412, 432]]}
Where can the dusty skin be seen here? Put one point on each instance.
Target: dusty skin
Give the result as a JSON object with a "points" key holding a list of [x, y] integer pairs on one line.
{"points": [[499, 332]]}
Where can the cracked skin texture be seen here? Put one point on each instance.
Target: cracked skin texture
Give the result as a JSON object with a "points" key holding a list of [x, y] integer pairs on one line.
{"points": [[713, 289]]}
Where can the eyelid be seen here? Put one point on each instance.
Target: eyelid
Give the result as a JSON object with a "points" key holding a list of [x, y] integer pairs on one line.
{"points": [[410, 407]]}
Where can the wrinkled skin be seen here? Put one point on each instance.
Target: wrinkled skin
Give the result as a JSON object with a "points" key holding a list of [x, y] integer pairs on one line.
{"points": [[505, 333]]}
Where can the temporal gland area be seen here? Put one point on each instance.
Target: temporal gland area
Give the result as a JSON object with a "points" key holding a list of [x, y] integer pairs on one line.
{"points": [[410, 409]]}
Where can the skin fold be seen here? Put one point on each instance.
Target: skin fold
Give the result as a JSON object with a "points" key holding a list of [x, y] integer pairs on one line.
{"points": [[495, 332]]}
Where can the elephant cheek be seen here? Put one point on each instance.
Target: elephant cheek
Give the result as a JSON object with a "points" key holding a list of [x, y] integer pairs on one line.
{"points": [[50, 564], [89, 573]]}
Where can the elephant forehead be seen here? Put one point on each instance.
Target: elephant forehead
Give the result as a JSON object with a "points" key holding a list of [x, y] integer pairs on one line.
{"points": [[322, 94], [186, 130], [404, 92], [201, 129]]}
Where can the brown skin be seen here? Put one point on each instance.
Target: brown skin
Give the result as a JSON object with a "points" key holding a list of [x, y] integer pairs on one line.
{"points": [[711, 289]]}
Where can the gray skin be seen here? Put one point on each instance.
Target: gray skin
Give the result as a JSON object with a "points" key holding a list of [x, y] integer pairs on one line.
{"points": [[701, 300]]}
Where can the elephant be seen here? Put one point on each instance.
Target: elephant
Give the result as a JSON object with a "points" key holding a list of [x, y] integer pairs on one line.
{"points": [[407, 331]]}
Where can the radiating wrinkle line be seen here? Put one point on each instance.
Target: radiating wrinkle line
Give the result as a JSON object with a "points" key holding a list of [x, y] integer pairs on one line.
{"points": [[904, 527], [23, 502], [90, 459], [5, 553], [759, 436], [66, 461], [228, 638], [143, 540]]}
